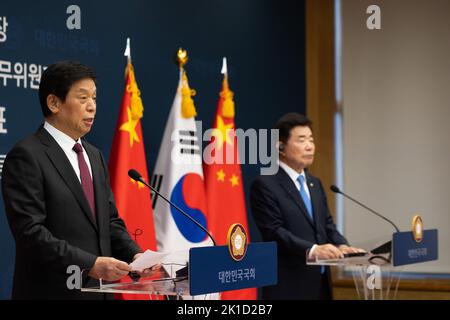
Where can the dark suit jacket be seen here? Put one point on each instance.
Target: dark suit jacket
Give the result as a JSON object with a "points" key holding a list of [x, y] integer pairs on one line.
{"points": [[281, 216], [51, 220]]}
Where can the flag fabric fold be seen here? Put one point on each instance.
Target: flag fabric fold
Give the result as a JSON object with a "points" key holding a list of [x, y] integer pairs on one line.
{"points": [[178, 175], [133, 199], [223, 180]]}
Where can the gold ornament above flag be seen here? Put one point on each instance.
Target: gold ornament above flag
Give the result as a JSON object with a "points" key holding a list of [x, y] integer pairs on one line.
{"points": [[228, 103], [187, 103], [135, 110]]}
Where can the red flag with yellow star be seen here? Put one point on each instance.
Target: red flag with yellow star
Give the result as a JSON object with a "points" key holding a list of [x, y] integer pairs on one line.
{"points": [[223, 181], [133, 199]]}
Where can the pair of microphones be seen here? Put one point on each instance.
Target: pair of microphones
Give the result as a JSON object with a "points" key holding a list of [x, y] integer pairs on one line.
{"points": [[385, 248]]}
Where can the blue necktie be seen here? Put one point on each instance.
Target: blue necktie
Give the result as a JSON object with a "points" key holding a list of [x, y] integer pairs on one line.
{"points": [[308, 205], [305, 197]]}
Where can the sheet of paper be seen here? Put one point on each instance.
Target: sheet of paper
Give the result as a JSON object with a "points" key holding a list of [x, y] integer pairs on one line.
{"points": [[147, 260]]}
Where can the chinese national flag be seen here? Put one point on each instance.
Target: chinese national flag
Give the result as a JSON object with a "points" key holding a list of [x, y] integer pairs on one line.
{"points": [[133, 199], [223, 181]]}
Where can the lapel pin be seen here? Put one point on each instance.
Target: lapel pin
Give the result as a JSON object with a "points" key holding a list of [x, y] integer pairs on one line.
{"points": [[311, 184]]}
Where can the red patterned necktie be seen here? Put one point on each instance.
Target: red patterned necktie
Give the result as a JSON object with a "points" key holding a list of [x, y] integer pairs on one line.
{"points": [[86, 180]]}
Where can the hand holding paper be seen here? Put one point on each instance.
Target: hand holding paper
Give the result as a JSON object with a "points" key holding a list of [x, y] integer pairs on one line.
{"points": [[147, 260]]}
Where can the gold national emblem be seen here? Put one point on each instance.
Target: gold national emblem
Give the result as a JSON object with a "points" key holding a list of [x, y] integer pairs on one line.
{"points": [[417, 228], [237, 241]]}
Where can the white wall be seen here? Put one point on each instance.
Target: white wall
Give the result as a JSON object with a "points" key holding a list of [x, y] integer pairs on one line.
{"points": [[396, 111]]}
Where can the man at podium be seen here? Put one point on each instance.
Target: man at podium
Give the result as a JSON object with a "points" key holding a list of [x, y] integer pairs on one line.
{"points": [[290, 207], [57, 196]]}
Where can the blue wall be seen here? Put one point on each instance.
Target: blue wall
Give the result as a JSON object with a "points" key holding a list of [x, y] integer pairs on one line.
{"points": [[263, 40]]}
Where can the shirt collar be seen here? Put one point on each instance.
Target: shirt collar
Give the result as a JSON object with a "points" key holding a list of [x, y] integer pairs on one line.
{"points": [[64, 141], [291, 172]]}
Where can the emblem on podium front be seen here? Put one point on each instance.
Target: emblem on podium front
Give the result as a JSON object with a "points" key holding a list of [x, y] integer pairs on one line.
{"points": [[237, 241], [417, 228]]}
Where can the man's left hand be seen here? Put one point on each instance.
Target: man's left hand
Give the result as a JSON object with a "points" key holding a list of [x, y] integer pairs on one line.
{"points": [[149, 272]]}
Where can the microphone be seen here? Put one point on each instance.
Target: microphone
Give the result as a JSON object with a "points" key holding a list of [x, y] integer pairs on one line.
{"points": [[133, 174], [383, 248]]}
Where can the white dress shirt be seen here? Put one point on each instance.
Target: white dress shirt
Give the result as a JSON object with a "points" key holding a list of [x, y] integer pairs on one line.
{"points": [[294, 177], [66, 143]]}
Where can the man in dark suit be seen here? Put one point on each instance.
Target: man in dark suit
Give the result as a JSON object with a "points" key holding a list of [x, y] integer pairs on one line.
{"points": [[290, 207], [58, 199]]}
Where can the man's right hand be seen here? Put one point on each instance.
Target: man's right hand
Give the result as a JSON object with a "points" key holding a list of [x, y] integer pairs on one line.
{"points": [[109, 269], [327, 251]]}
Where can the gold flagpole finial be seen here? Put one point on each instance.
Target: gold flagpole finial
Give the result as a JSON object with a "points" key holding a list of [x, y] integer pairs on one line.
{"points": [[181, 57]]}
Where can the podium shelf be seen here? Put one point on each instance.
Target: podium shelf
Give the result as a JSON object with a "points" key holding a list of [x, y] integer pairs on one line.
{"points": [[369, 259], [167, 287]]}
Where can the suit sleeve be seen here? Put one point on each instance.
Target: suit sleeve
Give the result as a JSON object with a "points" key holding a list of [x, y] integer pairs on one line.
{"points": [[332, 233], [270, 222], [123, 247], [24, 198]]}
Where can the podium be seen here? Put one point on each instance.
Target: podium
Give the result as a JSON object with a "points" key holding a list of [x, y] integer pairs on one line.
{"points": [[209, 270], [376, 275]]}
